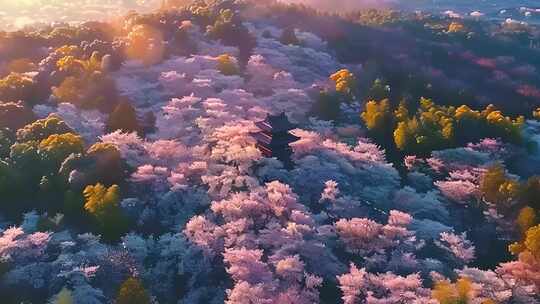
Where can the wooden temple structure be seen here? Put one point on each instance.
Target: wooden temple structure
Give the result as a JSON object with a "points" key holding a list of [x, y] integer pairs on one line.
{"points": [[274, 138]]}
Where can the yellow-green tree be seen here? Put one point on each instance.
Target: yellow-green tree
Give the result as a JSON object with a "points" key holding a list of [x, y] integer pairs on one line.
{"points": [[132, 291], [80, 67], [456, 27], [345, 82], [57, 147], [452, 293], [404, 134], [86, 85], [227, 65], [104, 205], [435, 127], [63, 297], [526, 218], [42, 129], [532, 241], [497, 188], [16, 87], [377, 117]]}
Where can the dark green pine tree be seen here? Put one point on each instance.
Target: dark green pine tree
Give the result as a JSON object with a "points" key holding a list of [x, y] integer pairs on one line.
{"points": [[124, 117]]}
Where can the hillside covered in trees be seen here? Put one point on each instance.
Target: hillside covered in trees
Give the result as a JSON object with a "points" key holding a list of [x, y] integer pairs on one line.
{"points": [[255, 152]]}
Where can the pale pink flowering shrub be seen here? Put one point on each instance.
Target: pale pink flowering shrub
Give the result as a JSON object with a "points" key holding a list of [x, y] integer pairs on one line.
{"points": [[153, 176], [16, 245], [330, 192], [524, 273], [131, 146], [290, 268], [364, 236], [458, 245], [177, 117], [205, 234], [359, 286], [266, 224], [489, 284], [459, 191], [246, 265]]}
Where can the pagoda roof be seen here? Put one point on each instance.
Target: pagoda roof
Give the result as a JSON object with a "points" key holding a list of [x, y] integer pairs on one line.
{"points": [[262, 137], [275, 123]]}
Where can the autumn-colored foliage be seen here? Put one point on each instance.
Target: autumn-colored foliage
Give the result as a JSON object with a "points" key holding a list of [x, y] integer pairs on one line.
{"points": [[227, 65], [435, 127], [145, 43], [132, 291], [345, 82], [377, 116], [59, 146], [455, 27], [17, 87], [453, 293], [103, 204]]}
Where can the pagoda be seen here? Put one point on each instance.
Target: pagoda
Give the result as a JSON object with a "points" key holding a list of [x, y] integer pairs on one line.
{"points": [[274, 138]]}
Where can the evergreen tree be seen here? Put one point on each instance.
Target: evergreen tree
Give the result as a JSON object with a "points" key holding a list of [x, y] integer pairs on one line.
{"points": [[124, 118]]}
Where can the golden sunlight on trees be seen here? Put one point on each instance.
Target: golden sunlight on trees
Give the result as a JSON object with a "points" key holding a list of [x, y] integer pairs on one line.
{"points": [[532, 241], [59, 146], [16, 87], [69, 90], [85, 86], [104, 205], [132, 291], [74, 66], [378, 117], [526, 218], [167, 4], [435, 127], [345, 82], [145, 43], [456, 27], [21, 65], [227, 65], [530, 246], [404, 134], [452, 293], [497, 188], [42, 129], [227, 27]]}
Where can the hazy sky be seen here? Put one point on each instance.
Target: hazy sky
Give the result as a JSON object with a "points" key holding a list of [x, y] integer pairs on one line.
{"points": [[343, 5], [17, 13]]}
